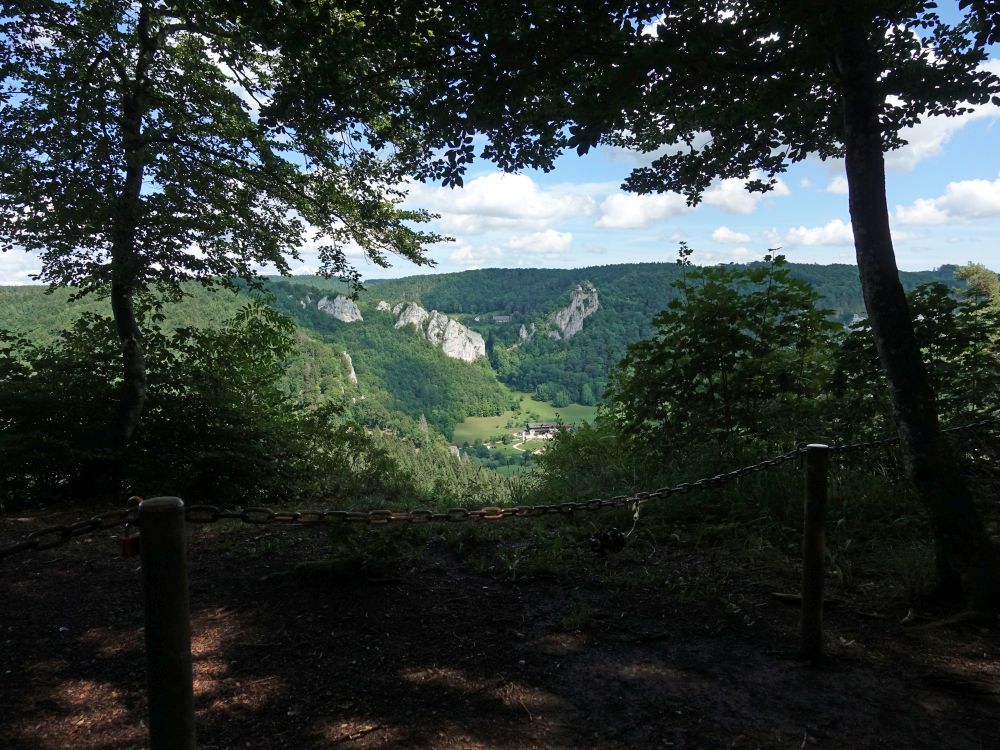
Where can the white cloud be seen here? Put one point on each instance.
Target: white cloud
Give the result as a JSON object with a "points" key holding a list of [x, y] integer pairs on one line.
{"points": [[522, 250], [549, 242], [805, 183], [740, 253], [471, 257], [499, 201], [835, 232], [922, 212], [929, 137], [731, 196], [628, 210], [17, 267], [962, 201], [636, 158], [650, 29], [838, 185], [727, 235]]}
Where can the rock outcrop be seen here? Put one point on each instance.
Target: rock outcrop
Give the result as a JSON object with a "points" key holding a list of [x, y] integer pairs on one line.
{"points": [[411, 314], [454, 339], [350, 365], [382, 306], [525, 334], [341, 308], [569, 320]]}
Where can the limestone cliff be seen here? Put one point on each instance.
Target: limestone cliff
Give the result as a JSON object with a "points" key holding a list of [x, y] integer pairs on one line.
{"points": [[382, 306], [453, 338], [568, 321], [410, 314], [341, 308]]}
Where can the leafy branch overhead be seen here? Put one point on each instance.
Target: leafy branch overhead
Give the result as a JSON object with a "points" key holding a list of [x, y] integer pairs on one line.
{"points": [[192, 104], [713, 90]]}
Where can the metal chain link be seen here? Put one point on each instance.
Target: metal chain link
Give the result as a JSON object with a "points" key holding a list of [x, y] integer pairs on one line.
{"points": [[894, 440], [55, 536], [380, 517]]}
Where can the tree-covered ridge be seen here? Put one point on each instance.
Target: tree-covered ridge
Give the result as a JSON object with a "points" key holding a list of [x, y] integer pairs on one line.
{"points": [[404, 371], [576, 370], [536, 291], [401, 376]]}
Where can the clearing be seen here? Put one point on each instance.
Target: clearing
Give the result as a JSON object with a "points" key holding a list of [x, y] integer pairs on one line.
{"points": [[530, 410]]}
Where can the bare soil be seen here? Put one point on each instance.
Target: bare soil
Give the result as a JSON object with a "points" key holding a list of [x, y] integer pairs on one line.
{"points": [[454, 645]]}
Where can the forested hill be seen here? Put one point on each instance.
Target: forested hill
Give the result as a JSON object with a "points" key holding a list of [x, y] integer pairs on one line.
{"points": [[402, 376], [498, 302], [532, 290]]}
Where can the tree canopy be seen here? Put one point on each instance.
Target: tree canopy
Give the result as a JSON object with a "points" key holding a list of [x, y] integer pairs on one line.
{"points": [[147, 143], [185, 109], [740, 355]]}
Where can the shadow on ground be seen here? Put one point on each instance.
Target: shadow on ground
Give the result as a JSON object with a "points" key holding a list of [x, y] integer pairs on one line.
{"points": [[670, 648]]}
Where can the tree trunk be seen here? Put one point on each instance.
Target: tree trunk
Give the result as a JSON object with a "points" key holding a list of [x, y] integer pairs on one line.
{"points": [[965, 558], [102, 475]]}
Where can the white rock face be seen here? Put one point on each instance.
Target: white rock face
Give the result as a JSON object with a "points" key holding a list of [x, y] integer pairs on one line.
{"points": [[525, 334], [350, 364], [411, 314], [341, 308], [383, 306], [455, 340], [569, 320]]}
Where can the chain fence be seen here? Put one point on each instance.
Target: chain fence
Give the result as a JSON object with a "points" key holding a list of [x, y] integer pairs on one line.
{"points": [[55, 536], [981, 424]]}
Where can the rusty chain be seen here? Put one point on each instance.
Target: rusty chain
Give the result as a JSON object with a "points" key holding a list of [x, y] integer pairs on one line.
{"points": [[55, 536]]}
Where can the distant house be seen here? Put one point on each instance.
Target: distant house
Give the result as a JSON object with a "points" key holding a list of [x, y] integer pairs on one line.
{"points": [[501, 318], [544, 430]]}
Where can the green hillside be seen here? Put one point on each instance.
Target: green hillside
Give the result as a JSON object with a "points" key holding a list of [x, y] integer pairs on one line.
{"points": [[402, 377], [575, 371]]}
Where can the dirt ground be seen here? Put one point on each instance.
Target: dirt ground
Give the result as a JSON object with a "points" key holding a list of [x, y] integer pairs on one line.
{"points": [[455, 646]]}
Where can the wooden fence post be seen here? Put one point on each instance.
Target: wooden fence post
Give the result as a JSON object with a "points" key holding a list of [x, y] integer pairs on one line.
{"points": [[168, 624], [813, 551]]}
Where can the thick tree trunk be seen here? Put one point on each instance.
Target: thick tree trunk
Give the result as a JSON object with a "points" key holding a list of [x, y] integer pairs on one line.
{"points": [[966, 560]]}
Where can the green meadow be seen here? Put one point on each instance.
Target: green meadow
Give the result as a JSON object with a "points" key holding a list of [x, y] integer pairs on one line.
{"points": [[487, 429]]}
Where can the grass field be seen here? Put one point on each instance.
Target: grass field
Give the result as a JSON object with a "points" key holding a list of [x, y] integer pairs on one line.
{"points": [[530, 410]]}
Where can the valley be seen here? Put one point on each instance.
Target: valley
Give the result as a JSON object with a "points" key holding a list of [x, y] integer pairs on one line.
{"points": [[461, 359]]}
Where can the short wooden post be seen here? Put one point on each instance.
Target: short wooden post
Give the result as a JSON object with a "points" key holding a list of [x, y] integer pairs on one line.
{"points": [[168, 624], [813, 551]]}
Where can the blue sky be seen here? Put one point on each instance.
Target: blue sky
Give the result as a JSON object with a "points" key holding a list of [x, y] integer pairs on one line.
{"points": [[943, 192]]}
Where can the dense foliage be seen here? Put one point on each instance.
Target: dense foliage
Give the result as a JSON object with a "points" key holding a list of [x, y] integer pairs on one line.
{"points": [[221, 426], [740, 356], [743, 364], [574, 370], [959, 337], [402, 377]]}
